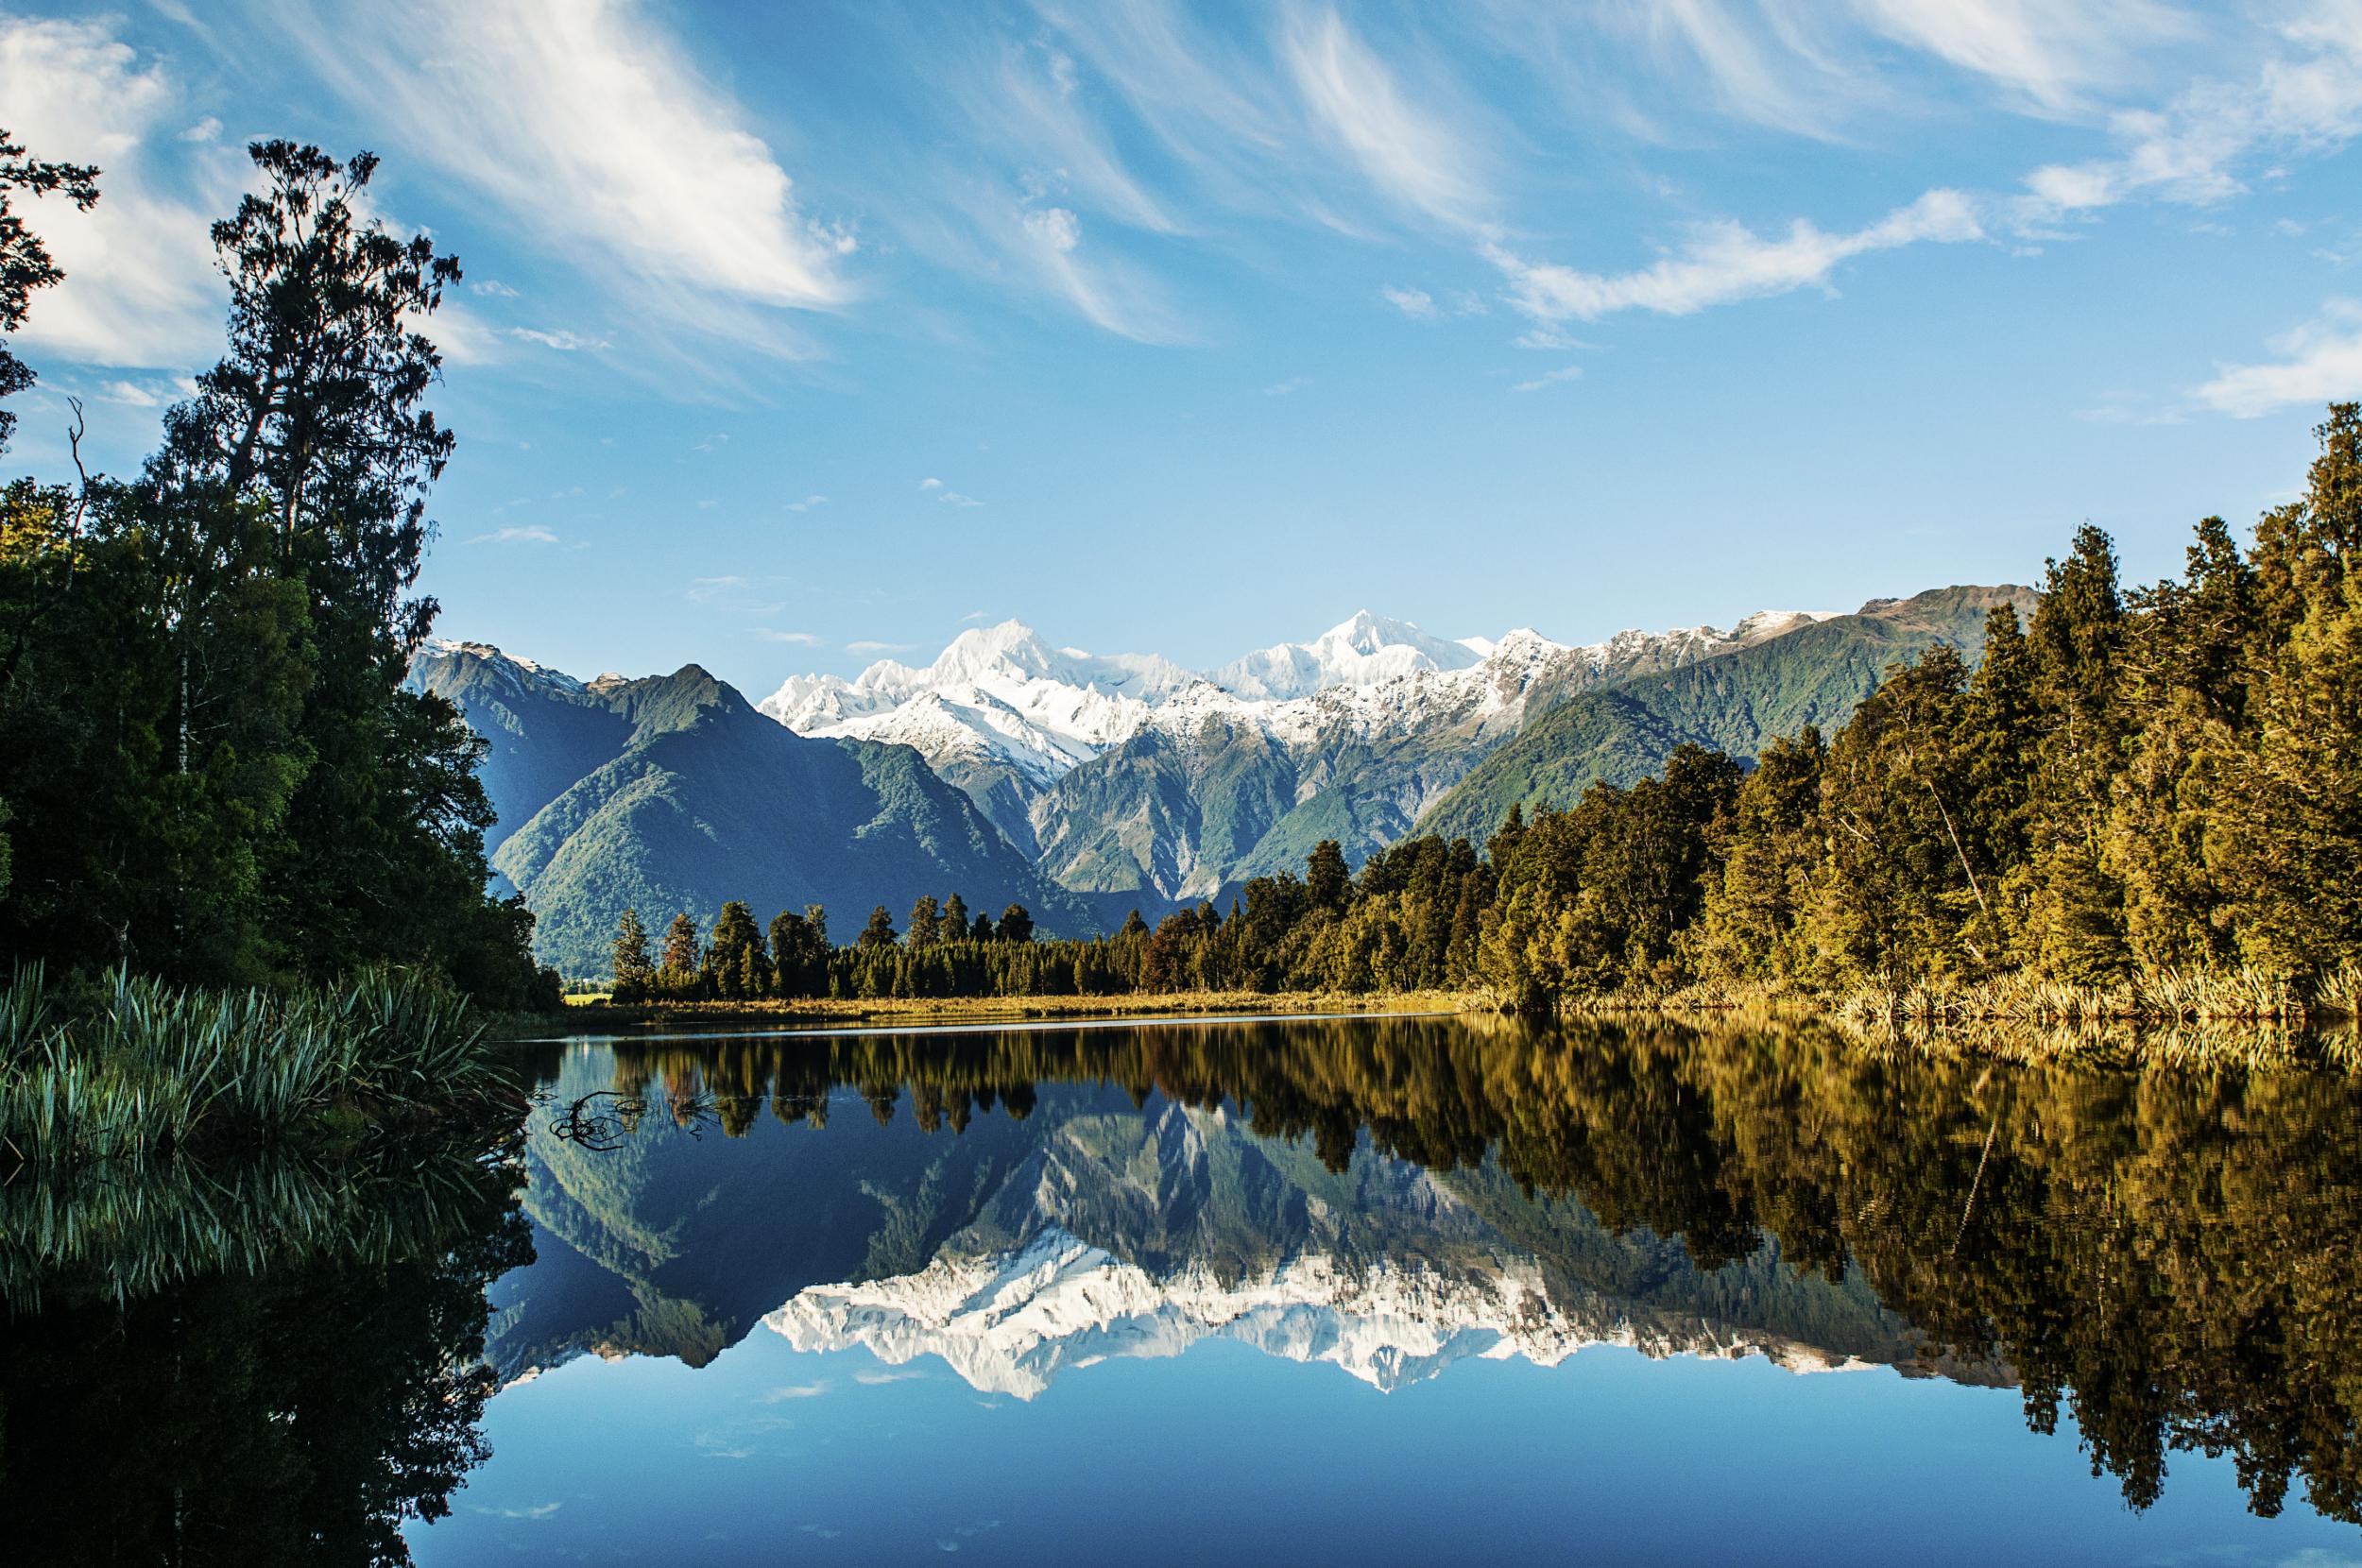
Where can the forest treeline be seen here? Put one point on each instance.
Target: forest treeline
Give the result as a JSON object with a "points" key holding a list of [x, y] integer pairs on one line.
{"points": [[2161, 779], [210, 771]]}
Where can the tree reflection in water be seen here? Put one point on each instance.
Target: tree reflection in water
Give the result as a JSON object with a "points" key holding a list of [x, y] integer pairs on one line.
{"points": [[269, 1363], [2166, 1255]]}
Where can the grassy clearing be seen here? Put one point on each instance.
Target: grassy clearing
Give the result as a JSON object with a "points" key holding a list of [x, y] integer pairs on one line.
{"points": [[152, 1069]]}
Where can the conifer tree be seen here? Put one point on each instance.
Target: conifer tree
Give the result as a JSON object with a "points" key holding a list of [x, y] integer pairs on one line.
{"points": [[1326, 877], [634, 969], [879, 932], [680, 949], [926, 925], [1017, 924]]}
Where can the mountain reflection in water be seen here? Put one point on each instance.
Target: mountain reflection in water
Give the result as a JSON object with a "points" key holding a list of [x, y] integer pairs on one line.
{"points": [[283, 1361], [2164, 1258]]}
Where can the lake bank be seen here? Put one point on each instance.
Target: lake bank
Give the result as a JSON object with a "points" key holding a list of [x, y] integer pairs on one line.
{"points": [[989, 1009]]}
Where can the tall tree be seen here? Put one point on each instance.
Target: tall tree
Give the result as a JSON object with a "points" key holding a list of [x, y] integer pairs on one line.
{"points": [[925, 926], [2289, 849], [25, 264], [681, 948], [634, 968]]}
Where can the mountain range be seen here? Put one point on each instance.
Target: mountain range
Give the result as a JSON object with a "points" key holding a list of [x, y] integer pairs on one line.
{"points": [[1085, 785]]}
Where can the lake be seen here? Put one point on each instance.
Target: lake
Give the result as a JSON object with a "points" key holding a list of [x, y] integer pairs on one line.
{"points": [[1334, 1291]]}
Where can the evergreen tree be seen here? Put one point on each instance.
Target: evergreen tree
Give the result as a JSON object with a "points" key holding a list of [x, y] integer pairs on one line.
{"points": [[879, 932], [634, 969], [925, 926], [2288, 851], [680, 950], [980, 930], [955, 919], [1016, 924], [25, 264], [1326, 877], [735, 965]]}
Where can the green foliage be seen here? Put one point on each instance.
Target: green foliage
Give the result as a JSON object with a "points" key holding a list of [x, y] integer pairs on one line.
{"points": [[156, 1070], [25, 264], [674, 792], [1739, 703], [2136, 790], [215, 773]]}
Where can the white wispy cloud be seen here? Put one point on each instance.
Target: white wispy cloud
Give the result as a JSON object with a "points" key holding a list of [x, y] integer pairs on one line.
{"points": [[944, 493], [565, 342], [2320, 362], [140, 287], [1032, 104], [1109, 295], [525, 534], [1284, 388], [865, 646], [1549, 377], [132, 395], [1415, 303], [586, 122], [794, 1391], [537, 1510], [2053, 52], [1727, 261], [808, 504], [801, 639], [1415, 155], [2304, 98]]}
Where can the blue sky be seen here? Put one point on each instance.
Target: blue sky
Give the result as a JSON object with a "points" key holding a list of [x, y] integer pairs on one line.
{"points": [[797, 334]]}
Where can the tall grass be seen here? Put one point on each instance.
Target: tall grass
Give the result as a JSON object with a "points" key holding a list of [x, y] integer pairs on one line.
{"points": [[2159, 995], [155, 1070]]}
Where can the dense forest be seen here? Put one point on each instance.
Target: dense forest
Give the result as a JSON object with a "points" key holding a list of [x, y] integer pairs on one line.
{"points": [[2139, 782], [209, 771]]}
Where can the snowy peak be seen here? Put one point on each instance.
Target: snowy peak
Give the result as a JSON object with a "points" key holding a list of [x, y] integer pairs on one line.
{"points": [[1363, 649], [999, 701], [514, 666], [1004, 714]]}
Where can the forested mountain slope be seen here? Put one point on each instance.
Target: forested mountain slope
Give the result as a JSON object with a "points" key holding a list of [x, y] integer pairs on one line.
{"points": [[673, 793], [1736, 703]]}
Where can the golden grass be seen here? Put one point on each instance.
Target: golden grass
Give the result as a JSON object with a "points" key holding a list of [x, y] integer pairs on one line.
{"points": [[915, 1009]]}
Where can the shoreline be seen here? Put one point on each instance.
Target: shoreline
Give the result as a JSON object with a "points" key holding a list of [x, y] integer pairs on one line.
{"points": [[954, 1011]]}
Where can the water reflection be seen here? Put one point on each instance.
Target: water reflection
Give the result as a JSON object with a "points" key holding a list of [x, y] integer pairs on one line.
{"points": [[280, 1360], [268, 1361], [2166, 1258]]}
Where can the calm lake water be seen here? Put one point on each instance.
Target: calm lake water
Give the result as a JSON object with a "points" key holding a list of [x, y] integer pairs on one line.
{"points": [[1334, 1291]]}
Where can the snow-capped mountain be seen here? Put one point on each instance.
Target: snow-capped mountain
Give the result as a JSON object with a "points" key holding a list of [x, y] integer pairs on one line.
{"points": [[1006, 717], [1362, 651], [996, 690]]}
